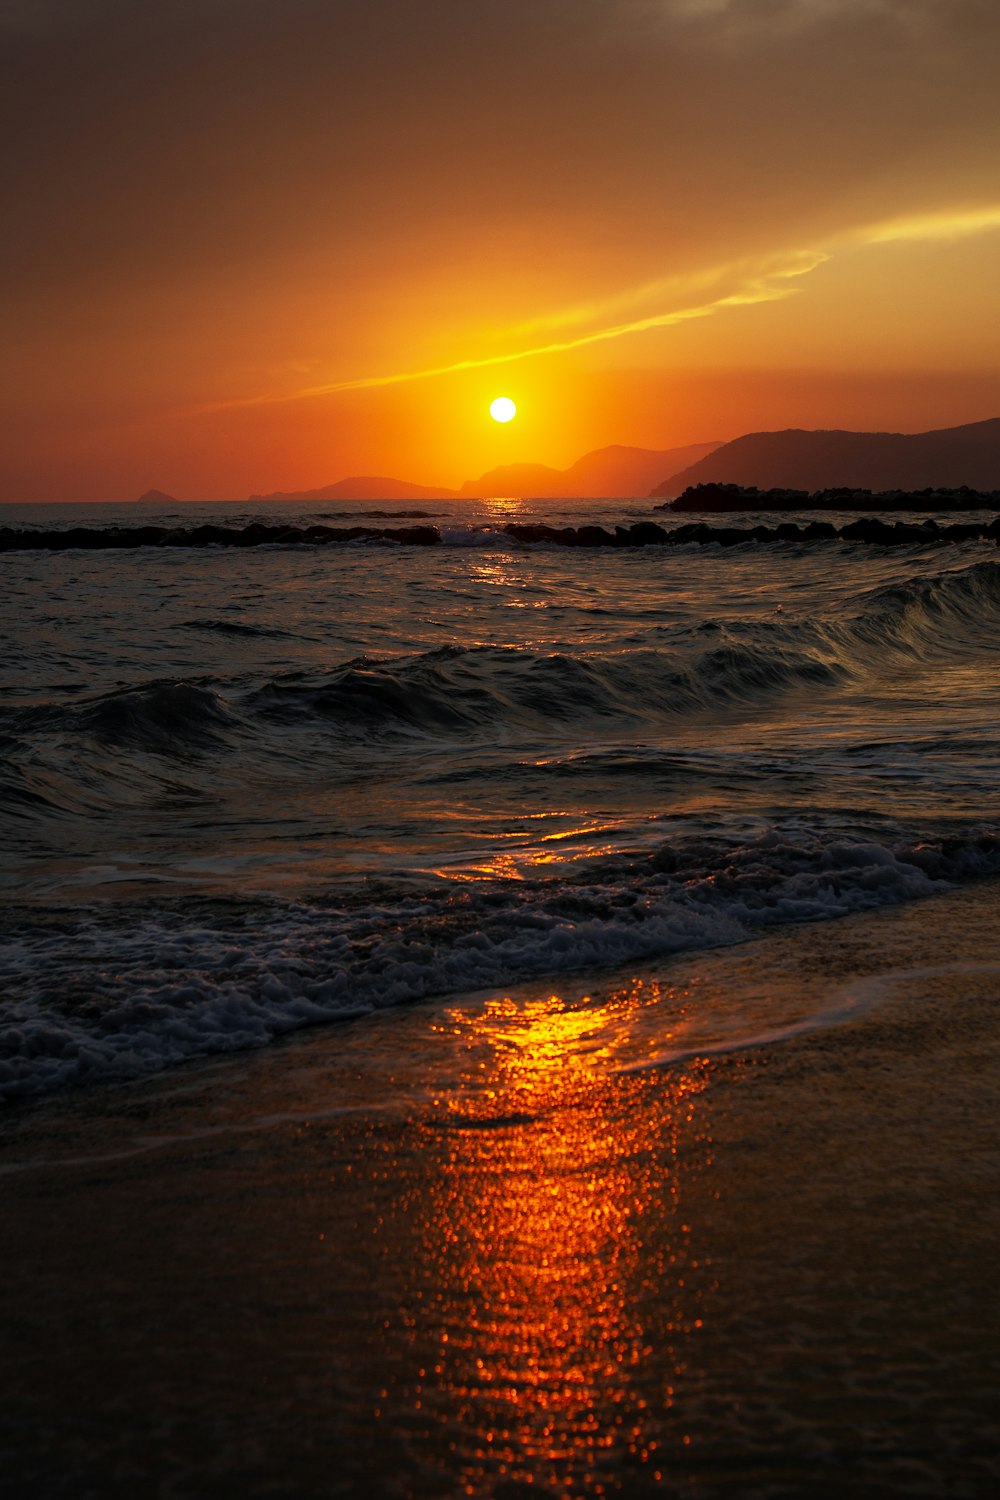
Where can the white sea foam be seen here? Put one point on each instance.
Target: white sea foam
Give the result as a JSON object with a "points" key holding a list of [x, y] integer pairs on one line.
{"points": [[110, 1002]]}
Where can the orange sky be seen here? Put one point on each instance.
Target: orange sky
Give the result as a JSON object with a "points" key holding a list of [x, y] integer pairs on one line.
{"points": [[239, 235]]}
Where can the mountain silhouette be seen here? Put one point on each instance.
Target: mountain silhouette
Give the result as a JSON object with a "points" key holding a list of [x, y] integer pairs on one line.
{"points": [[616, 472], [797, 459], [365, 487], [514, 479]]}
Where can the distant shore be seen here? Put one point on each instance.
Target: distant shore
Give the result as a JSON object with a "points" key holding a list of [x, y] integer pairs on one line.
{"points": [[511, 1269], [743, 497]]}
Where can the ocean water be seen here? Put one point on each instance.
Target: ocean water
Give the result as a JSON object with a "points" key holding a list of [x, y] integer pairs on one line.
{"points": [[246, 791]]}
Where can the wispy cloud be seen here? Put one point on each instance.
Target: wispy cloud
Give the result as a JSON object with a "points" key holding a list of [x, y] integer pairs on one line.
{"points": [[775, 13], [723, 22], [768, 283], [769, 280], [948, 224]]}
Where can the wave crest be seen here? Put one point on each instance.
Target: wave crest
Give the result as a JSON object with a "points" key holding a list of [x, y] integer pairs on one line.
{"points": [[96, 1002]]}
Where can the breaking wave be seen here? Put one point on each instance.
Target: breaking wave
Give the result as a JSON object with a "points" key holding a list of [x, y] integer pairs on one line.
{"points": [[491, 693], [92, 1001]]}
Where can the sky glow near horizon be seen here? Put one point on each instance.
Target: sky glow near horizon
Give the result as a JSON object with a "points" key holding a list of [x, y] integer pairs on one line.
{"points": [[666, 221]]}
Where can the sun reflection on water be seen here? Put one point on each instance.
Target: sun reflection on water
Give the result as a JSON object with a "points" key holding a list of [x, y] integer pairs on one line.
{"points": [[529, 850], [548, 1170], [505, 507]]}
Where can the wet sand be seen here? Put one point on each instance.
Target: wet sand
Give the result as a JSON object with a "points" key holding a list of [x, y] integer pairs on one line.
{"points": [[535, 1263]]}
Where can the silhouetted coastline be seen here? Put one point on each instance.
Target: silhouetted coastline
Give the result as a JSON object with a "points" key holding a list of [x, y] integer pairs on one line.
{"points": [[881, 462], [737, 497]]}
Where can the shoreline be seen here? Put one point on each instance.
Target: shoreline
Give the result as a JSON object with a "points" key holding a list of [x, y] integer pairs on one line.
{"points": [[537, 1263]]}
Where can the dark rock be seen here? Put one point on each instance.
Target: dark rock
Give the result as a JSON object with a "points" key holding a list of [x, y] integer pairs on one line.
{"points": [[250, 536], [903, 534], [530, 531], [594, 536], [693, 531], [868, 530], [961, 531], [648, 534], [718, 496]]}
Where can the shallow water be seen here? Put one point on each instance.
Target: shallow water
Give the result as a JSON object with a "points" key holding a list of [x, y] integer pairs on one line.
{"points": [[494, 1246], [247, 791]]}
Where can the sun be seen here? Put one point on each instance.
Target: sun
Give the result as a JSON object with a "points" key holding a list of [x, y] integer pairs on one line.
{"points": [[502, 409]]}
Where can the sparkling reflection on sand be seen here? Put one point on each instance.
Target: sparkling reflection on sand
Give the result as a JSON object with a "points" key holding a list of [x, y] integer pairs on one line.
{"points": [[481, 1247], [550, 1301]]}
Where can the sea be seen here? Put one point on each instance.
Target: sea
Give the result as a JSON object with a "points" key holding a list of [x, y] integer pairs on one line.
{"points": [[247, 791]]}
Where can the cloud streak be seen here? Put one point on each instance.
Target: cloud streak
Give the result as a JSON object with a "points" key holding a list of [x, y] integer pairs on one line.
{"points": [[768, 282], [769, 285], [950, 224]]}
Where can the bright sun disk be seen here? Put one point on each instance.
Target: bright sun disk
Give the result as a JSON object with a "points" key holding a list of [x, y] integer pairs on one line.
{"points": [[502, 409]]}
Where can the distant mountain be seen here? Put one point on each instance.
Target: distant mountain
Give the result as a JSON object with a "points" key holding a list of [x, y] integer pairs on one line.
{"points": [[365, 487], [156, 497], [514, 479], [795, 459], [616, 472]]}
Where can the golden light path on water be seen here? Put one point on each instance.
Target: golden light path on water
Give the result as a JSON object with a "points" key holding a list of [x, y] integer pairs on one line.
{"points": [[555, 1315]]}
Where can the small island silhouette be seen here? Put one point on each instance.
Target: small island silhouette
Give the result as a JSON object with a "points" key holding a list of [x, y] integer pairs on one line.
{"points": [[156, 497]]}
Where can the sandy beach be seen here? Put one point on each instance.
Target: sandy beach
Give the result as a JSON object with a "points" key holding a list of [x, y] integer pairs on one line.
{"points": [[548, 1259]]}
